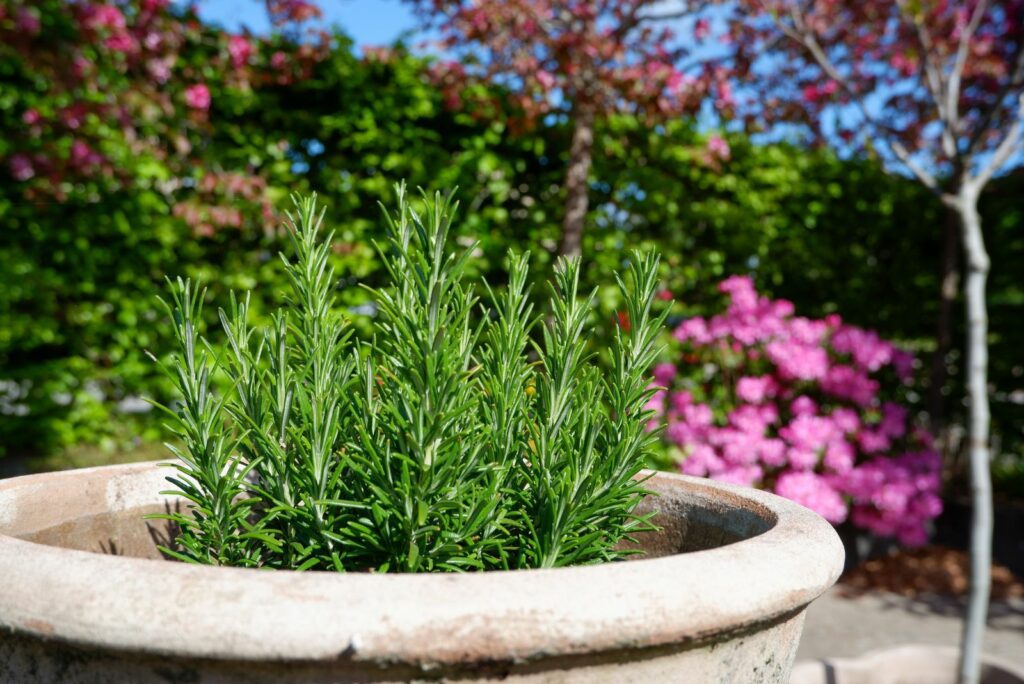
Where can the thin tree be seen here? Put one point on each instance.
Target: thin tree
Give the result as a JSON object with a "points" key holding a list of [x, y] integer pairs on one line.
{"points": [[586, 59], [937, 88]]}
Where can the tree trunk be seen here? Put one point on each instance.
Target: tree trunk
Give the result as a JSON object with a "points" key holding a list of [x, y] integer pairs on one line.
{"points": [[977, 266], [581, 153], [949, 284]]}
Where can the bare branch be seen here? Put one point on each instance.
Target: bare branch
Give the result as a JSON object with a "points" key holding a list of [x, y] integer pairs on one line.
{"points": [[937, 84], [1006, 149], [690, 7], [962, 50], [801, 34], [667, 16], [1016, 80], [810, 42], [926, 178]]}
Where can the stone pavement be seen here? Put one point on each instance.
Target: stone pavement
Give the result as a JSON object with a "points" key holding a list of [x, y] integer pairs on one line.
{"points": [[849, 627]]}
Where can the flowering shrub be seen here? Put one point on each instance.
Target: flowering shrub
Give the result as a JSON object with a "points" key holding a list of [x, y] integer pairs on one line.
{"points": [[769, 399]]}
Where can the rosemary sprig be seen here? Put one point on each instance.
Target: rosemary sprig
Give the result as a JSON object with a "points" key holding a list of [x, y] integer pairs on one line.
{"points": [[450, 442]]}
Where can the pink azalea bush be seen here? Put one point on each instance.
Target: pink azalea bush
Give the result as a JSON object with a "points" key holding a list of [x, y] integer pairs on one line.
{"points": [[797, 406]]}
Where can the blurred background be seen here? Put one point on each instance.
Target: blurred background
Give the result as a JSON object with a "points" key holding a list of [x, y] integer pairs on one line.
{"points": [[142, 138]]}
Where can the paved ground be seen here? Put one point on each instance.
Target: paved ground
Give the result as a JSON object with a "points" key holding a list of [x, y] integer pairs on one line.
{"points": [[847, 627]]}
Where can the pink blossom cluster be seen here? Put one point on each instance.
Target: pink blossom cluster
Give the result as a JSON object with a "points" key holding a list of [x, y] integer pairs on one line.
{"points": [[796, 406]]}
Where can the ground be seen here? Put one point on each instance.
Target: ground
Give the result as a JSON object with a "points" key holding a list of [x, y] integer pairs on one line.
{"points": [[841, 627]]}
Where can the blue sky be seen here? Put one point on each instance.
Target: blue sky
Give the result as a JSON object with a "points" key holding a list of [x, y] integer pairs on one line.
{"points": [[369, 22]]}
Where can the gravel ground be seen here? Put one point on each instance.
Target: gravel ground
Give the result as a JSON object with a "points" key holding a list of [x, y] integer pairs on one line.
{"points": [[847, 627]]}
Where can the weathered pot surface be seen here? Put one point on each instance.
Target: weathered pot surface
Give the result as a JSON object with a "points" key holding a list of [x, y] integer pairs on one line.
{"points": [[719, 597], [909, 664]]}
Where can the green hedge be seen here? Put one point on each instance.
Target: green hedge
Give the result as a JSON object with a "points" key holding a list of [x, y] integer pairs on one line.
{"points": [[77, 309]]}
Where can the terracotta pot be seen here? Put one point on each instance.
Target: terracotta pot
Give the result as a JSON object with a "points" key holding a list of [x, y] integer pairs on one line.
{"points": [[719, 597], [911, 664]]}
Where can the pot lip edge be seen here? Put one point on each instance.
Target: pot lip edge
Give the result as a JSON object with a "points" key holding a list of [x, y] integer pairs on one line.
{"points": [[655, 574]]}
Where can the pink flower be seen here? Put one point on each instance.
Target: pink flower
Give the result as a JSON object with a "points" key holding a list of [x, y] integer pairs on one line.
{"points": [[197, 96], [725, 98], [278, 60], [152, 41], [869, 352], [657, 402], [160, 69], [546, 80], [31, 117], [693, 329], [701, 461], [798, 361], [846, 420], [773, 452], [680, 434], [926, 506], [814, 492], [21, 167], [28, 21], [894, 420], [807, 331], [903, 64], [751, 419], [80, 66], [240, 50], [811, 432], [872, 442], [738, 447], [742, 295], [718, 147], [105, 16], [839, 457], [680, 400], [802, 458], [664, 374], [697, 415], [844, 452], [803, 405], [84, 156], [120, 42], [756, 389], [903, 362], [701, 28], [744, 475], [846, 382]]}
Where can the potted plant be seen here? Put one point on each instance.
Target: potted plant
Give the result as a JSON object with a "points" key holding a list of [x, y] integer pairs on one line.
{"points": [[316, 493]]}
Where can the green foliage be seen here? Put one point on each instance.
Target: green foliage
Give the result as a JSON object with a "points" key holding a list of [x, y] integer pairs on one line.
{"points": [[831, 235], [823, 232], [450, 442]]}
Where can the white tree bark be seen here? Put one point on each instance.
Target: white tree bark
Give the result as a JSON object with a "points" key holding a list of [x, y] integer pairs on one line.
{"points": [[977, 266]]}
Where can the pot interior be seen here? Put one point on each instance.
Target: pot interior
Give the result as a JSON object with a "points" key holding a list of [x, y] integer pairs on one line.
{"points": [[102, 510]]}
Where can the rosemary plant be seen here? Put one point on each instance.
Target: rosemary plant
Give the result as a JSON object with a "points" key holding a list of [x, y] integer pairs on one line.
{"points": [[452, 441]]}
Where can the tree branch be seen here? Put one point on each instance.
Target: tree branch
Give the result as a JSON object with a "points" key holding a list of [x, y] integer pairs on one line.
{"points": [[926, 178], [962, 50], [668, 16], [805, 37], [937, 85], [1009, 145], [1016, 80]]}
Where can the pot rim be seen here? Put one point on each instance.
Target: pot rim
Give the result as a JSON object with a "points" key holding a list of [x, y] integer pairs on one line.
{"points": [[163, 608]]}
